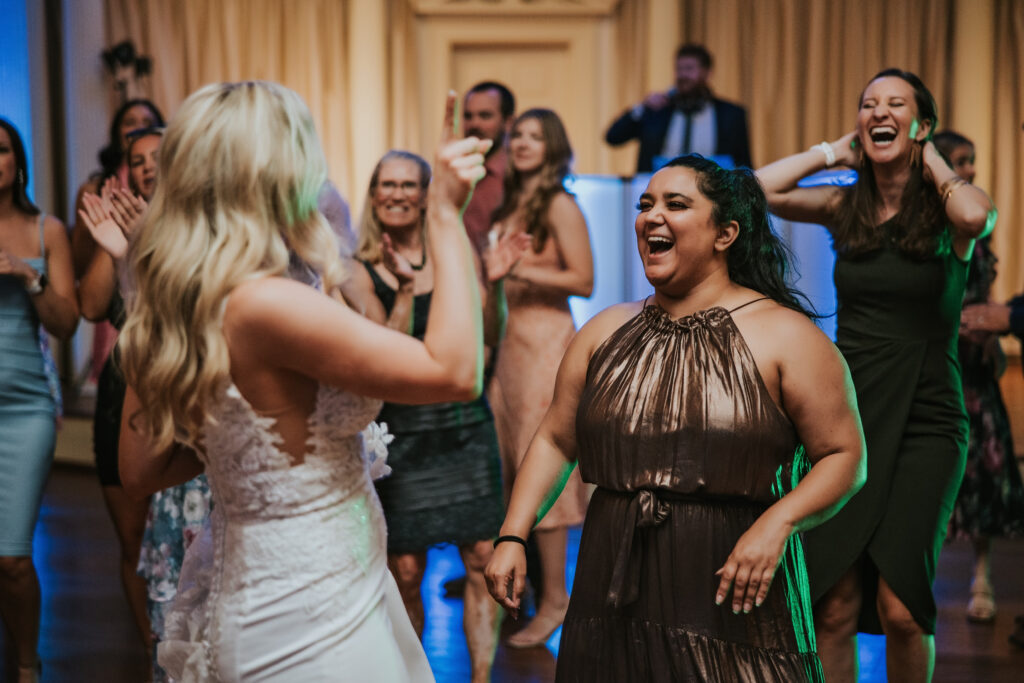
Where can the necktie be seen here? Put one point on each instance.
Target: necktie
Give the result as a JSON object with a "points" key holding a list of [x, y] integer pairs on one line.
{"points": [[687, 136]]}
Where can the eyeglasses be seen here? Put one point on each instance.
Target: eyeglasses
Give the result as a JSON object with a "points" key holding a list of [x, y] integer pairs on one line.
{"points": [[390, 187]]}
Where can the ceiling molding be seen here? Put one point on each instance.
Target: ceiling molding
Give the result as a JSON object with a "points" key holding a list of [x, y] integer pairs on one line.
{"points": [[486, 8]]}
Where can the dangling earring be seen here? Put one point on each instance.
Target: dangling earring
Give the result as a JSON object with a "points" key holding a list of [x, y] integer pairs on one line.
{"points": [[21, 176]]}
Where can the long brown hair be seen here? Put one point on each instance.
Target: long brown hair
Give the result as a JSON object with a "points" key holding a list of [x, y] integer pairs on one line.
{"points": [[920, 223], [557, 160]]}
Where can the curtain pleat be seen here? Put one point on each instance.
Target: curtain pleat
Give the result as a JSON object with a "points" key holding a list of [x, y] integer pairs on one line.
{"points": [[797, 65]]}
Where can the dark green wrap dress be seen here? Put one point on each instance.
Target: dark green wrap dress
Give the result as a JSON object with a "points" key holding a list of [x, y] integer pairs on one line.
{"points": [[897, 328]]}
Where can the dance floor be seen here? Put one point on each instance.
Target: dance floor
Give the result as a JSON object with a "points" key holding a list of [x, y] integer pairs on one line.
{"points": [[88, 635]]}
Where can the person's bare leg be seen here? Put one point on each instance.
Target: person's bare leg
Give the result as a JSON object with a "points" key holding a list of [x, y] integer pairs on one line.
{"points": [[835, 624], [909, 651], [19, 609], [481, 615], [408, 570], [982, 603], [129, 517], [552, 545]]}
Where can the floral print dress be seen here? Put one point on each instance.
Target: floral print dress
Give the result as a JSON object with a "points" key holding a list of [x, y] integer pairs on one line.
{"points": [[176, 517], [991, 498]]}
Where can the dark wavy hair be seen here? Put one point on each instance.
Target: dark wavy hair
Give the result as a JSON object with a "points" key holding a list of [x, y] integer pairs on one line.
{"points": [[505, 96], [757, 259], [948, 140], [112, 155], [20, 193], [920, 225], [557, 162]]}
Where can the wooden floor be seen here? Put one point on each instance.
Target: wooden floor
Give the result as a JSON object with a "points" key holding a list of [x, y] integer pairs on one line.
{"points": [[87, 634]]}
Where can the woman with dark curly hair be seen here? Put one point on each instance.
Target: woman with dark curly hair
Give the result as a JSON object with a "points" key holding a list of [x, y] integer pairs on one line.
{"points": [[687, 410], [903, 236], [540, 327]]}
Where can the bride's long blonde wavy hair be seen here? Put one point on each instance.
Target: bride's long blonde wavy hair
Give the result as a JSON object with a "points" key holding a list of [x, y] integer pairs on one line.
{"points": [[239, 173]]}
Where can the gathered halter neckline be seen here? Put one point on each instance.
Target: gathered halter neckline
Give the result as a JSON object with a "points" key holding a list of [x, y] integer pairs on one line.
{"points": [[704, 311]]}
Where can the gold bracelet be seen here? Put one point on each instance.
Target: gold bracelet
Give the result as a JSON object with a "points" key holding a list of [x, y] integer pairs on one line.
{"points": [[952, 186]]}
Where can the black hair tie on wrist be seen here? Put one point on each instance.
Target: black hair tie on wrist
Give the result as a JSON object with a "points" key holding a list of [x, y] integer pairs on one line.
{"points": [[514, 539]]}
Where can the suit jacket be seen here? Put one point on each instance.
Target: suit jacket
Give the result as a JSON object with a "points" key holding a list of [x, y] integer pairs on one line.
{"points": [[652, 126]]}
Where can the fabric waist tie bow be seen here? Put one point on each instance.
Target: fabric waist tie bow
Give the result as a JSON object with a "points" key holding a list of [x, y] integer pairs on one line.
{"points": [[646, 509]]}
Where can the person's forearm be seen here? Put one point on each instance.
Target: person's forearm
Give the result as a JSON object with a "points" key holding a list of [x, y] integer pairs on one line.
{"points": [[568, 282], [781, 176], [623, 129], [967, 206], [143, 470], [832, 481], [495, 314], [454, 324], [401, 315], [540, 480], [178, 466], [97, 286], [57, 313]]}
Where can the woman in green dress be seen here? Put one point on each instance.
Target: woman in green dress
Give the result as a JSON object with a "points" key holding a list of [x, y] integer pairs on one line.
{"points": [[903, 235]]}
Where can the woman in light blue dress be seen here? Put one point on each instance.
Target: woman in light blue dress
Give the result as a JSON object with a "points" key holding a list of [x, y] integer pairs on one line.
{"points": [[36, 287]]}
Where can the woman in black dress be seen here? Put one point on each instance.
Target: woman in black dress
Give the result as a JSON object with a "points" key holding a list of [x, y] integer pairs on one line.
{"points": [[903, 234], [445, 485], [687, 410]]}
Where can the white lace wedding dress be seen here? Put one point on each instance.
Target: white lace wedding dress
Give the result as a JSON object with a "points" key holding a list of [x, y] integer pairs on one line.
{"points": [[291, 581]]}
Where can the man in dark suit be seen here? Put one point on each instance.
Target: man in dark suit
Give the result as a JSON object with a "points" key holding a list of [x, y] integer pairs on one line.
{"points": [[687, 118]]}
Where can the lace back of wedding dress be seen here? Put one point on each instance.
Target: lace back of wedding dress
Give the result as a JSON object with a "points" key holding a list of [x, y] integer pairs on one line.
{"points": [[283, 539]]}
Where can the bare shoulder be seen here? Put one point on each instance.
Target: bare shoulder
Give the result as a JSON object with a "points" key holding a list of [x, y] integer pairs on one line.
{"points": [[780, 333], [563, 207], [53, 229], [259, 303], [605, 323]]}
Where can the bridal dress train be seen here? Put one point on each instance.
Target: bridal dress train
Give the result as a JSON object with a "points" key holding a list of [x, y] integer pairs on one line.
{"points": [[290, 582]]}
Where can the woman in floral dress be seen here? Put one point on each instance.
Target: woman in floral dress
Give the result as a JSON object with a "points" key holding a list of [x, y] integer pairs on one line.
{"points": [[991, 499]]}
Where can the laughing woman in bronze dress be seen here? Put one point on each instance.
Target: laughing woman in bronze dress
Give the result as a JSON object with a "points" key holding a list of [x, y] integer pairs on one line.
{"points": [[688, 411]]}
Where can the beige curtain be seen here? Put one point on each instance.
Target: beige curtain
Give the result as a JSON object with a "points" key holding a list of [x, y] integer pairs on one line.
{"points": [[193, 42], [797, 65], [1007, 153]]}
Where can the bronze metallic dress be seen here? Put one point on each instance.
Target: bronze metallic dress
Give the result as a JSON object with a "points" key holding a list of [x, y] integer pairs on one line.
{"points": [[687, 448]]}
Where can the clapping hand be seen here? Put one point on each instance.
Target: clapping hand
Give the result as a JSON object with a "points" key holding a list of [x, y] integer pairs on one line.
{"points": [[503, 253], [96, 214], [12, 265], [127, 210], [458, 165], [395, 262]]}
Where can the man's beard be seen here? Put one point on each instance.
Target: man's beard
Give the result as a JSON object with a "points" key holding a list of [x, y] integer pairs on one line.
{"points": [[693, 100]]}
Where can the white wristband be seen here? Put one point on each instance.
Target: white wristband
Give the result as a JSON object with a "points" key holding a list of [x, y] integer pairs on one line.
{"points": [[826, 149]]}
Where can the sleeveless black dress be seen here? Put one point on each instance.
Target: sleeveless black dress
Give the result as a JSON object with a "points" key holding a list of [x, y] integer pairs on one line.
{"points": [[687, 449], [897, 329], [445, 485]]}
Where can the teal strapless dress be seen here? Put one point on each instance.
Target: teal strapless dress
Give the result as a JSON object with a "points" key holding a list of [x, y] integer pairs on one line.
{"points": [[27, 414]]}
